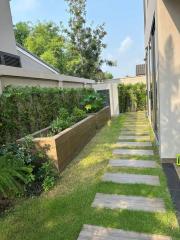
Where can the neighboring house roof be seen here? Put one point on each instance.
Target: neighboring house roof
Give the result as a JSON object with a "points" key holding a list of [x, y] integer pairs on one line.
{"points": [[36, 58]]}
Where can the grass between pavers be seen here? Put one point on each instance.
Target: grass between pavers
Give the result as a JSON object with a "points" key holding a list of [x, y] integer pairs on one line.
{"points": [[60, 214]]}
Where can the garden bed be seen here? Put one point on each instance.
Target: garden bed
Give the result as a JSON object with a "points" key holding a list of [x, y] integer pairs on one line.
{"points": [[64, 146]]}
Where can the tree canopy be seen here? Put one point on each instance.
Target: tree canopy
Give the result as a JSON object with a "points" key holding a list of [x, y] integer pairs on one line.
{"points": [[75, 50]]}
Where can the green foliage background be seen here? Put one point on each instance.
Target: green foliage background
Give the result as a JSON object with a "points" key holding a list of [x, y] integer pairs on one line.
{"points": [[26, 110], [132, 97]]}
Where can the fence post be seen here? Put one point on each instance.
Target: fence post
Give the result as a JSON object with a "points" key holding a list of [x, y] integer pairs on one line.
{"points": [[113, 95]]}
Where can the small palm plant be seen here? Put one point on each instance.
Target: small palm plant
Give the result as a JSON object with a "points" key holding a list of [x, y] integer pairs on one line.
{"points": [[13, 175]]}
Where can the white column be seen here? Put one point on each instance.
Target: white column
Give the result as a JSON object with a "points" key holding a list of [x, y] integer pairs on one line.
{"points": [[113, 95]]}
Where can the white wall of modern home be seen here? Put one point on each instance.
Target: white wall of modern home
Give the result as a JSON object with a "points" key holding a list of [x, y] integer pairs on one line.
{"points": [[162, 43]]}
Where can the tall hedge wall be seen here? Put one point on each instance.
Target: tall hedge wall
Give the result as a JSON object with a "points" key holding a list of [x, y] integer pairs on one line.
{"points": [[132, 97], [26, 110]]}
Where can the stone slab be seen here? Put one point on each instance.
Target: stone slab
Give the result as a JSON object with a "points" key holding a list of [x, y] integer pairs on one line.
{"points": [[134, 133], [114, 201], [138, 152], [134, 144], [134, 137], [125, 178], [138, 127], [141, 125], [90, 232], [133, 163]]}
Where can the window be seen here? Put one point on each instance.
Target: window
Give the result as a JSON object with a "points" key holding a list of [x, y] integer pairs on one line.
{"points": [[9, 60]]}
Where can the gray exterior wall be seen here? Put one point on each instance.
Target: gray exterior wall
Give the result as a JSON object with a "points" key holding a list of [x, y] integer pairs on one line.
{"points": [[7, 39], [33, 65], [23, 77]]}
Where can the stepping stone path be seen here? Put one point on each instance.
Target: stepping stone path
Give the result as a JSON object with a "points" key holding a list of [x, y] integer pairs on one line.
{"points": [[113, 201], [134, 144], [131, 179], [135, 135], [126, 133], [133, 152], [133, 163], [99, 233]]}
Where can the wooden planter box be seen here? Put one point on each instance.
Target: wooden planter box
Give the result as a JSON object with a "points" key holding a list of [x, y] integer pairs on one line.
{"points": [[63, 147], [102, 117]]}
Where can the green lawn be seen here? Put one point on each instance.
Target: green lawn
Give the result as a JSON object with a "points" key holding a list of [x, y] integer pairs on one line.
{"points": [[60, 214]]}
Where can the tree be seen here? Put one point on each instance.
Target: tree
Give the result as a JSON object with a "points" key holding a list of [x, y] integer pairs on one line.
{"points": [[22, 31], [108, 75], [86, 42], [74, 51], [46, 42]]}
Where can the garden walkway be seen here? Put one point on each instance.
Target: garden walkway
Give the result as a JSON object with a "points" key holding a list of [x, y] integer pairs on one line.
{"points": [[133, 150]]}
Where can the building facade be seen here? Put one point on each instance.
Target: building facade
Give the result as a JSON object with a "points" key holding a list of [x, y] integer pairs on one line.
{"points": [[162, 46]]}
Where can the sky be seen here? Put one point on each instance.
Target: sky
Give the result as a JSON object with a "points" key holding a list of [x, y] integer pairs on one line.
{"points": [[123, 22]]}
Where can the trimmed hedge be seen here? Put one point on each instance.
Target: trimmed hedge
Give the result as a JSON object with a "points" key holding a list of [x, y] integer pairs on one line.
{"points": [[26, 110], [132, 97]]}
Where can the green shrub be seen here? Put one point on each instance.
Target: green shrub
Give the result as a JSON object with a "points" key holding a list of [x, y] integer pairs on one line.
{"points": [[93, 102], [37, 167], [66, 119], [48, 175], [29, 109], [59, 125], [132, 97], [78, 114], [13, 175]]}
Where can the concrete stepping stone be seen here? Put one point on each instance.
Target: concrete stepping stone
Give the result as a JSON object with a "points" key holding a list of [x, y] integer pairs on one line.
{"points": [[90, 232], [135, 133], [133, 163], [129, 122], [135, 127], [138, 152], [125, 178], [135, 124], [136, 203], [134, 144], [138, 127], [134, 137]]}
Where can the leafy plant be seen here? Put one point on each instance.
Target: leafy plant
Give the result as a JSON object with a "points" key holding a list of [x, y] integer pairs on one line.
{"points": [[93, 102], [78, 114], [66, 119], [48, 175], [13, 175], [48, 183], [132, 97], [32, 167], [59, 124]]}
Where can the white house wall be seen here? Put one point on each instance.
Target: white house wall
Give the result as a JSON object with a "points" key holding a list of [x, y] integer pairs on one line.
{"points": [[169, 76]]}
